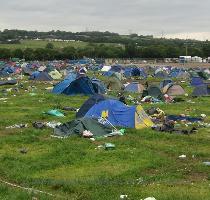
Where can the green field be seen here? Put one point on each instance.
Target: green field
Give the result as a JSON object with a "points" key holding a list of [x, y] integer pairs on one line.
{"points": [[144, 164], [34, 44]]}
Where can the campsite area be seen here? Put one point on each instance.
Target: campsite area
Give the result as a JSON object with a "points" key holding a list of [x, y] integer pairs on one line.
{"points": [[144, 162]]}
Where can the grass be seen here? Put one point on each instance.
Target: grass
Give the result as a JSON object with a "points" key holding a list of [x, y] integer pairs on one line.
{"points": [[34, 44], [145, 163]]}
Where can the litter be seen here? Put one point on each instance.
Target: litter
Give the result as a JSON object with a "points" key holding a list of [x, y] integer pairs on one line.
{"points": [[150, 198], [109, 146], [123, 196], [54, 113], [183, 156], [53, 124], [17, 126], [87, 134], [206, 163]]}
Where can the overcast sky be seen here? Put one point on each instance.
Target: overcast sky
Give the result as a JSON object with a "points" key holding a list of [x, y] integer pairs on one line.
{"points": [[177, 18]]}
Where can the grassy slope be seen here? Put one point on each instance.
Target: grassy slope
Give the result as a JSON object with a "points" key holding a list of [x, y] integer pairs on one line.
{"points": [[41, 44], [34, 44], [74, 169]]}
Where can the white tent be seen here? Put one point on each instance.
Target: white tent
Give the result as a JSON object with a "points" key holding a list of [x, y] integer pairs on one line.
{"points": [[106, 68]]}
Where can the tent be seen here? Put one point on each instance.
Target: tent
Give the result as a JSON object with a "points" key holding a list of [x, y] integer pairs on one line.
{"points": [[89, 104], [201, 90], [118, 114], [174, 90], [114, 84], [196, 81], [27, 71], [55, 74], [165, 82], [153, 91], [98, 86], [81, 85], [106, 68], [41, 76], [134, 87], [78, 126], [61, 86], [183, 75]]}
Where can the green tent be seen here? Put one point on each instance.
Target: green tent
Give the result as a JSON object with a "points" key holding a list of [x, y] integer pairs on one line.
{"points": [[76, 127]]}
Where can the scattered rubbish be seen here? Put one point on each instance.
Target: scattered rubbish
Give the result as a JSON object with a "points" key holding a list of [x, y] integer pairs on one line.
{"points": [[54, 113], [69, 109], [3, 99], [17, 126], [123, 196], [87, 134], [39, 125], [32, 94], [150, 198], [206, 163], [183, 156], [53, 124], [23, 150], [203, 115], [109, 146]]}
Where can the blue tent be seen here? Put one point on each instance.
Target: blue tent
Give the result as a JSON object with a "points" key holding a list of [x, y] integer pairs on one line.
{"points": [[60, 87], [89, 104], [115, 111], [134, 87], [196, 81], [201, 90], [72, 86], [165, 82], [41, 76], [34, 75], [117, 68]]}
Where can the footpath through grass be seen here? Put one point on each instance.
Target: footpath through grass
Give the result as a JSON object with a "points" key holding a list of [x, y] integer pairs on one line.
{"points": [[145, 163]]}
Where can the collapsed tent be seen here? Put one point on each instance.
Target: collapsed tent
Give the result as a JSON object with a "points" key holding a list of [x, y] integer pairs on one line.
{"points": [[11, 82], [118, 114], [78, 126], [201, 90], [134, 87]]}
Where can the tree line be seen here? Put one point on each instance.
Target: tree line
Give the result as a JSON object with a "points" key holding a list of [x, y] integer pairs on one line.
{"points": [[92, 50]]}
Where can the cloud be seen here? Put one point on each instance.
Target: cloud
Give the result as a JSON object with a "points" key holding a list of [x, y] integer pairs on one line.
{"points": [[190, 17]]}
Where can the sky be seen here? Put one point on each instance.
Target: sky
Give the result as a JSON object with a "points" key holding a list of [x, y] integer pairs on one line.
{"points": [[171, 19]]}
